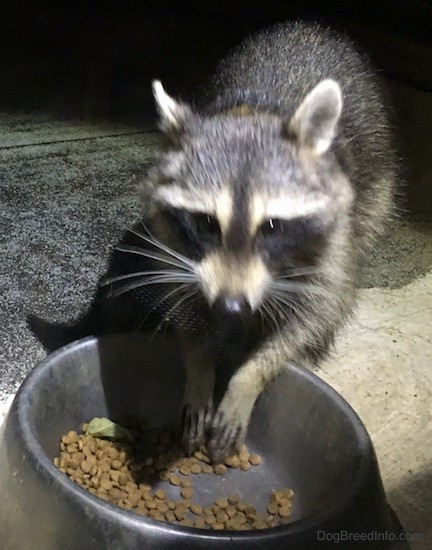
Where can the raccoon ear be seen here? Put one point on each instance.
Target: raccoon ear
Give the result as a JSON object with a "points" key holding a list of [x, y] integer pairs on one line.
{"points": [[173, 114], [314, 123]]}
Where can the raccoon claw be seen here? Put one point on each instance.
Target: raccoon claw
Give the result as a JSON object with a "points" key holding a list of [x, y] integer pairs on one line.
{"points": [[193, 426], [223, 436]]}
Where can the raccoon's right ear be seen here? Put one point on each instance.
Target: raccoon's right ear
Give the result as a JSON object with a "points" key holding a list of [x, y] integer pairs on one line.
{"points": [[173, 114], [314, 123]]}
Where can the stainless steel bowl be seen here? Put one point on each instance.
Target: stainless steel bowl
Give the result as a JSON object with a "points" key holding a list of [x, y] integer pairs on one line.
{"points": [[310, 439]]}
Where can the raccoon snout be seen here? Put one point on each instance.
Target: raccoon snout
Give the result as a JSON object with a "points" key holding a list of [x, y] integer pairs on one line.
{"points": [[228, 308]]}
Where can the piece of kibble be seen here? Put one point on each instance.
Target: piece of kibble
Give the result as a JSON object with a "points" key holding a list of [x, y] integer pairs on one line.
{"points": [[221, 502], [170, 516], [222, 516], [233, 498], [233, 461], [284, 511], [210, 519], [230, 510], [255, 459], [162, 507], [185, 470], [186, 492], [243, 455], [250, 511], [195, 469], [85, 466], [202, 456], [160, 494], [220, 469], [217, 526], [207, 469], [196, 509], [185, 482], [245, 465], [272, 508], [179, 513], [174, 480]]}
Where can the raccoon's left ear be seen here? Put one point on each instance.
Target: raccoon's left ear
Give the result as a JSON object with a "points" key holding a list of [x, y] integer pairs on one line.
{"points": [[173, 114], [314, 123]]}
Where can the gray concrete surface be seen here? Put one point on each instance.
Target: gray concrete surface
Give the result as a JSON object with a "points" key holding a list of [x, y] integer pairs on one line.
{"points": [[67, 190]]}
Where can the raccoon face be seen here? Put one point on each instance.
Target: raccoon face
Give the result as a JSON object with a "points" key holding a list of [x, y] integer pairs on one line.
{"points": [[253, 199]]}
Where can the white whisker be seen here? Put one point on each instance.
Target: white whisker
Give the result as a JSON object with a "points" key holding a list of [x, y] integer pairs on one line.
{"points": [[155, 242], [175, 274], [298, 272], [151, 281], [176, 305], [153, 255]]}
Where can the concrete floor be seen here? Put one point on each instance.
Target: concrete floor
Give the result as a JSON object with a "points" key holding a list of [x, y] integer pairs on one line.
{"points": [[68, 189]]}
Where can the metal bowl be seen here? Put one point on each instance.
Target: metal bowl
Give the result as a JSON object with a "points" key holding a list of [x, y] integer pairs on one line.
{"points": [[310, 439]]}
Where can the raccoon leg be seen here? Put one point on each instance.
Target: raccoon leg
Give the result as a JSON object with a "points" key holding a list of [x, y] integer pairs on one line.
{"points": [[198, 398], [231, 420]]}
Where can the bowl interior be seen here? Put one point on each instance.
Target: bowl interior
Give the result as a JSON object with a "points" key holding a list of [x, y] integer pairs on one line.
{"points": [[309, 438]]}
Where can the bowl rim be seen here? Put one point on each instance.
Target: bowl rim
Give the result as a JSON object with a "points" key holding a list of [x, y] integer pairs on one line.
{"points": [[125, 518]]}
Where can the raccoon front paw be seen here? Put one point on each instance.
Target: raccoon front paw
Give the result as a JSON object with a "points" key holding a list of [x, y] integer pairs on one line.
{"points": [[194, 423], [227, 431]]}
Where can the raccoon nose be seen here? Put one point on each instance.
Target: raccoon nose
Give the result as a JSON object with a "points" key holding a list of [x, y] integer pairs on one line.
{"points": [[232, 307]]}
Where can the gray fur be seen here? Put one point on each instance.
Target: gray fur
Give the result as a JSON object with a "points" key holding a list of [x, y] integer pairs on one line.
{"points": [[270, 151]]}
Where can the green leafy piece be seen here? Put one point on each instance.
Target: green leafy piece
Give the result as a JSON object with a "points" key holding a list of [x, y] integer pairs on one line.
{"points": [[103, 427]]}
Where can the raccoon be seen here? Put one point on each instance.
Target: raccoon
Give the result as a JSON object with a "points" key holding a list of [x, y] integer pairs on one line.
{"points": [[260, 212]]}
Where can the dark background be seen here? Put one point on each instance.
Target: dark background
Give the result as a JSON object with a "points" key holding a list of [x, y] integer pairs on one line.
{"points": [[93, 60], [98, 58]]}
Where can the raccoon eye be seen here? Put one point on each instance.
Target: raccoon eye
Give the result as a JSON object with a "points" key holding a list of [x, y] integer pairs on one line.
{"points": [[271, 227], [206, 223]]}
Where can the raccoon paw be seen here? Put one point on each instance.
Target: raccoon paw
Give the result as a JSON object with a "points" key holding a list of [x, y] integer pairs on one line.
{"points": [[224, 435], [193, 427]]}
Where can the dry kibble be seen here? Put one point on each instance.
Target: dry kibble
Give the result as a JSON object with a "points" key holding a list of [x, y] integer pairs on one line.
{"points": [[233, 461], [196, 509], [272, 508], [171, 504], [162, 507], [230, 510], [85, 466], [221, 502], [116, 464], [185, 482], [185, 470], [174, 480], [179, 514], [255, 459], [233, 498], [222, 516], [105, 484], [250, 511], [202, 456], [245, 465], [170, 516], [121, 472], [220, 469], [186, 492], [210, 519]]}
